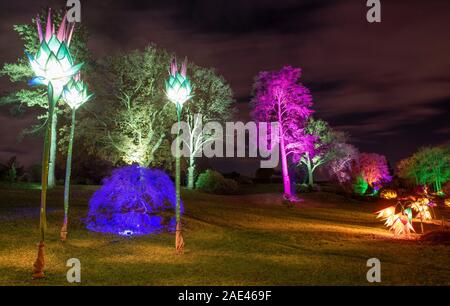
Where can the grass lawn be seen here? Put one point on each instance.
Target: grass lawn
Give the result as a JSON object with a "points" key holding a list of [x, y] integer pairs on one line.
{"points": [[250, 239]]}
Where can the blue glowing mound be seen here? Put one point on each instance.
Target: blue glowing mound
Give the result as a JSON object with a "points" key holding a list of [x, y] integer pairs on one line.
{"points": [[133, 201]]}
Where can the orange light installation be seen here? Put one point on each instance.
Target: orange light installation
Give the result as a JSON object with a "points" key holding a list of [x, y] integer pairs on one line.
{"points": [[388, 194]]}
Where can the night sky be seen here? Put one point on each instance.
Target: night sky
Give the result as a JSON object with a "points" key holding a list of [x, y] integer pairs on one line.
{"points": [[387, 84]]}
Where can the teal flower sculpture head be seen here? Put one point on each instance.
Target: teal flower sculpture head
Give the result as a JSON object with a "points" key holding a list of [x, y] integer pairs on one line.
{"points": [[178, 87], [53, 63], [75, 93]]}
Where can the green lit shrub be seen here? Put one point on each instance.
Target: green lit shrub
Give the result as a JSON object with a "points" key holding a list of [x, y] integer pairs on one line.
{"points": [[213, 182], [360, 186]]}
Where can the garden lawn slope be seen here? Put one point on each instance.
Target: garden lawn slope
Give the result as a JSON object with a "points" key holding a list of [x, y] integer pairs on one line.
{"points": [[249, 239]]}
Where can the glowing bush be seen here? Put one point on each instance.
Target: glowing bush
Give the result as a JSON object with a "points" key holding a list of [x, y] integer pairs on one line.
{"points": [[388, 194], [213, 182], [360, 186], [133, 201]]}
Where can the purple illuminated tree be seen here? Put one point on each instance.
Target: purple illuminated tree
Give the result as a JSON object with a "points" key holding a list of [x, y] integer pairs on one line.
{"points": [[280, 97]]}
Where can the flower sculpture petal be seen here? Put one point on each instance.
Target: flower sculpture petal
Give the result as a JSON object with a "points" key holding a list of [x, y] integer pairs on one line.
{"points": [[386, 213], [421, 206], [398, 223], [401, 225], [75, 93], [53, 63], [178, 86]]}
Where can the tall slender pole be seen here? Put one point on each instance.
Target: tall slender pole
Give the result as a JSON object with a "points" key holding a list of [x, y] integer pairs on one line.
{"points": [[53, 144], [178, 164], [179, 241], [39, 264], [63, 233]]}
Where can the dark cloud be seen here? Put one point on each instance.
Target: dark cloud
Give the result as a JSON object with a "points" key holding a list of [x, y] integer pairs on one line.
{"points": [[243, 17]]}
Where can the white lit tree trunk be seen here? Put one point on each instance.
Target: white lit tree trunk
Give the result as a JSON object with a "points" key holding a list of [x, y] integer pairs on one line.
{"points": [[311, 165], [283, 153], [191, 173], [197, 139]]}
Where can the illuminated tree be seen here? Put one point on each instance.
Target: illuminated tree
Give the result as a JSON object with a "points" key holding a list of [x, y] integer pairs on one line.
{"points": [[75, 94], [178, 91], [53, 66], [430, 165], [20, 72], [129, 122], [280, 97], [342, 166], [321, 146], [212, 102], [374, 170], [408, 168]]}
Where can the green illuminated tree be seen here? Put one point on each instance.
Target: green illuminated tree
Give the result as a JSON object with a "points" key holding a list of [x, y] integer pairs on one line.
{"points": [[428, 166], [132, 118], [20, 72], [324, 146], [408, 169]]}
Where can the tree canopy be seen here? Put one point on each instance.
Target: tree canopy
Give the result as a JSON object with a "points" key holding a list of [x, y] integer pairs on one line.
{"points": [[429, 165], [132, 118], [280, 97]]}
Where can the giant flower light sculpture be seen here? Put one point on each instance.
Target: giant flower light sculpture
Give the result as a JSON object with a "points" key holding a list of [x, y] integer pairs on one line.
{"points": [[422, 207], [399, 223], [75, 94], [178, 86], [178, 91], [53, 66]]}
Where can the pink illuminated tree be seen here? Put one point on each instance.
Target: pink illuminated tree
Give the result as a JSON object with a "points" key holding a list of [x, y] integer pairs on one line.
{"points": [[374, 169], [280, 97]]}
